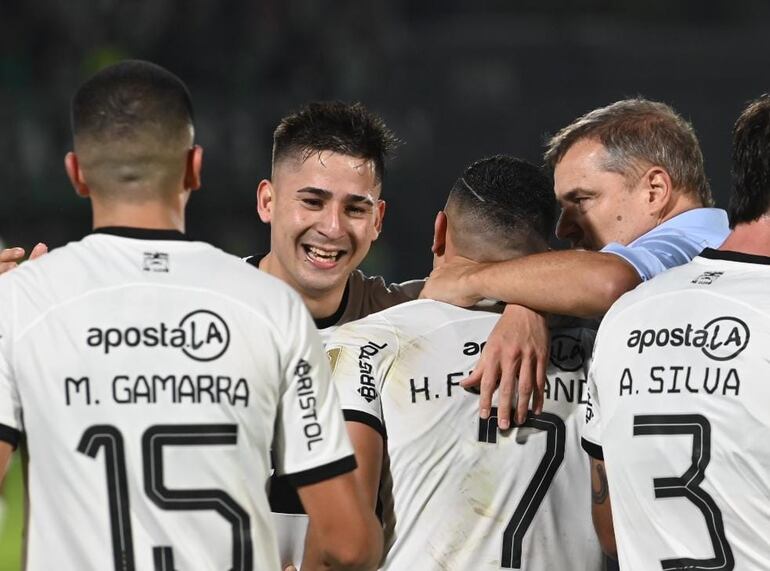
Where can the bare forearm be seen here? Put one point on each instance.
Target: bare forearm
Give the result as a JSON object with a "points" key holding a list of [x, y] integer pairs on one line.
{"points": [[574, 282]]}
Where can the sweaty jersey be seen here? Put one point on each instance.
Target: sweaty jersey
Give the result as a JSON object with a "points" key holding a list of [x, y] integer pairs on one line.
{"points": [[463, 494], [680, 413], [149, 392]]}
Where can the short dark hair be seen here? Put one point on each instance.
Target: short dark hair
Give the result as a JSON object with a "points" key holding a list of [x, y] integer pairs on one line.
{"points": [[750, 194], [508, 196], [635, 131], [130, 95], [344, 128]]}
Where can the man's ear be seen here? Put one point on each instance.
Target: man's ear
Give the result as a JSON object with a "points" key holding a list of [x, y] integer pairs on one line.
{"points": [[439, 234], [192, 175], [658, 190], [75, 175], [265, 198], [379, 215]]}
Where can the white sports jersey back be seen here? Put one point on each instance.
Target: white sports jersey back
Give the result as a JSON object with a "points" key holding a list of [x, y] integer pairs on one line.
{"points": [[464, 494], [680, 412], [149, 378]]}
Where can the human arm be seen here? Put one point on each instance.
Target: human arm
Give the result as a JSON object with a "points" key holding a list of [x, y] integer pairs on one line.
{"points": [[6, 451], [601, 508], [571, 282], [344, 532], [11, 257], [515, 359]]}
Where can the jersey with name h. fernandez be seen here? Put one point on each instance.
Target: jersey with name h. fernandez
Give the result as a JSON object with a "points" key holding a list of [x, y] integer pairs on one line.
{"points": [[460, 494], [680, 413], [149, 393]]}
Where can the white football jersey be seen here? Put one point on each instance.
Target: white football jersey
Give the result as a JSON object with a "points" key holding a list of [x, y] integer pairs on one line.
{"points": [[680, 413], [463, 494], [149, 377]]}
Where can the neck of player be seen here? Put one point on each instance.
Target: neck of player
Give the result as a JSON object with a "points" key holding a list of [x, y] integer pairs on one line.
{"points": [[321, 304], [750, 237], [152, 215]]}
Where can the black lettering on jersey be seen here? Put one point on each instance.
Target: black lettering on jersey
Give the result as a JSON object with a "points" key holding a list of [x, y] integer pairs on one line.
{"points": [[367, 388], [72, 385], [567, 353], [450, 382], [564, 388], [202, 335], [472, 348], [180, 389], [308, 401], [721, 339], [626, 382], [675, 379], [415, 391]]}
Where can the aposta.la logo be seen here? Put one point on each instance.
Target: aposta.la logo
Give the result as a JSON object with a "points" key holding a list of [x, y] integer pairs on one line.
{"points": [[202, 335], [721, 339]]}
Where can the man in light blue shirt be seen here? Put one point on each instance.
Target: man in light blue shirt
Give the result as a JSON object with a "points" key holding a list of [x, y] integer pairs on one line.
{"points": [[675, 242], [635, 201]]}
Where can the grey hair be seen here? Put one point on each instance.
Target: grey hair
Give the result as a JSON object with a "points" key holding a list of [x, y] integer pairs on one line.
{"points": [[637, 133]]}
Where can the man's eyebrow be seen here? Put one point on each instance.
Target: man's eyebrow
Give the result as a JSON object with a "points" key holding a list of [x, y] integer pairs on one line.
{"points": [[327, 194], [571, 194]]}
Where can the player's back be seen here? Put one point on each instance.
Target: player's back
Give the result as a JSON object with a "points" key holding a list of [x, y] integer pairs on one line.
{"points": [[682, 415], [147, 377], [465, 495]]}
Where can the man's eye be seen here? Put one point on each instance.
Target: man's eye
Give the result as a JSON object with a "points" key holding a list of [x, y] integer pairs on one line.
{"points": [[356, 210], [312, 202]]}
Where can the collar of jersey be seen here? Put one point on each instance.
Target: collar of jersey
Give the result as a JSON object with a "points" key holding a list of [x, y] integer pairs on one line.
{"points": [[141, 233], [731, 256]]}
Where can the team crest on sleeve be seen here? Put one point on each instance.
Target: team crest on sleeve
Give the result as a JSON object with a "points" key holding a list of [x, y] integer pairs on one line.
{"points": [[334, 356]]}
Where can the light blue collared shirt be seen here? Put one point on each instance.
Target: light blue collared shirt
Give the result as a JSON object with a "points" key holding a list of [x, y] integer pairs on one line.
{"points": [[675, 242]]}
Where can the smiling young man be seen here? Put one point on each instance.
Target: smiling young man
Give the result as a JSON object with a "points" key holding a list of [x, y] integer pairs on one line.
{"points": [[635, 201], [324, 209]]}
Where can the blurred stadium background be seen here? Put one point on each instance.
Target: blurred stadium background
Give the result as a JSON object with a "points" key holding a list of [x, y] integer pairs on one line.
{"points": [[456, 80]]}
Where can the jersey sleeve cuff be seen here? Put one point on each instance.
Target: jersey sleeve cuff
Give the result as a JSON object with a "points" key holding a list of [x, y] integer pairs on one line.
{"points": [[594, 450], [10, 435], [365, 418], [321, 473]]}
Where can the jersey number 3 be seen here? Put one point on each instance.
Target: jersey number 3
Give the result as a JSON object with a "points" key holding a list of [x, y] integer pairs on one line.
{"points": [[110, 439], [517, 527], [688, 486]]}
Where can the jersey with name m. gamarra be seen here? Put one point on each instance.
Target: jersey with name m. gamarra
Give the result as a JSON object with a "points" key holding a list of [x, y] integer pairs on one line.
{"points": [[148, 394], [680, 413], [458, 493]]}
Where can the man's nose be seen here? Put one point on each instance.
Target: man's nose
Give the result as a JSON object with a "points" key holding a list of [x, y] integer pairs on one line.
{"points": [[331, 224], [566, 228]]}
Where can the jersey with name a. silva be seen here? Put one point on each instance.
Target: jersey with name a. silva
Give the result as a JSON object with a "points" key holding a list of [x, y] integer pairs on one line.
{"points": [[680, 413], [149, 379], [463, 494]]}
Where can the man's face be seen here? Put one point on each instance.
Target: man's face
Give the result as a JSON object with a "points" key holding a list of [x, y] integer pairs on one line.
{"points": [[324, 213], [598, 206]]}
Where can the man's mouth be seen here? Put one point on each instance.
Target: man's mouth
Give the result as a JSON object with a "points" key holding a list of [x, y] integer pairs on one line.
{"points": [[323, 257]]}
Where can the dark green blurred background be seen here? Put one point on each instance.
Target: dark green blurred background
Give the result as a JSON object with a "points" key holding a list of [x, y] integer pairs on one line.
{"points": [[455, 80]]}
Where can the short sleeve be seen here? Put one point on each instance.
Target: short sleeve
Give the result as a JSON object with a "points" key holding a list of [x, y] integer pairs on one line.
{"points": [[657, 253], [361, 354], [311, 443], [10, 403]]}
